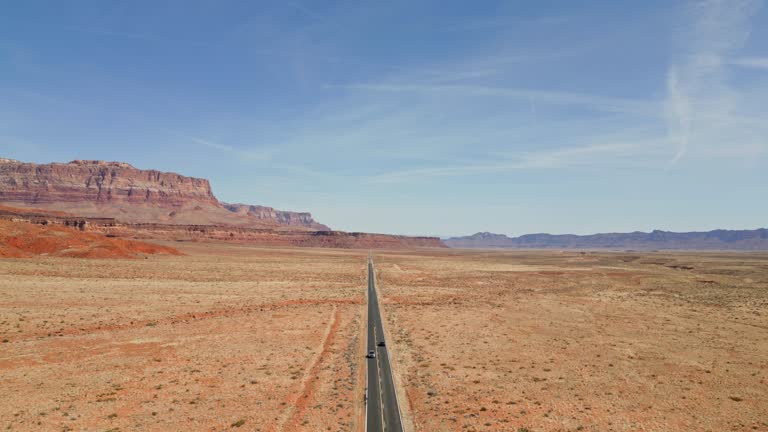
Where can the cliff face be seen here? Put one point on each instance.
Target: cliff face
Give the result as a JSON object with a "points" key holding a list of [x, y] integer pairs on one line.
{"points": [[121, 191], [22, 218], [123, 201], [282, 217], [98, 181], [268, 237]]}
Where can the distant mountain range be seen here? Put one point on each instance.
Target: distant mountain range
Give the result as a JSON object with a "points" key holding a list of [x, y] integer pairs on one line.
{"points": [[709, 240]]}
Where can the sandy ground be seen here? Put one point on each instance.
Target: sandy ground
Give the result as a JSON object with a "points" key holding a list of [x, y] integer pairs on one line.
{"points": [[548, 341], [241, 338], [228, 337]]}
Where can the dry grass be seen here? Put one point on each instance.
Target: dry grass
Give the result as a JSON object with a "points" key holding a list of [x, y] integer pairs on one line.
{"points": [[236, 337], [265, 339], [549, 341]]}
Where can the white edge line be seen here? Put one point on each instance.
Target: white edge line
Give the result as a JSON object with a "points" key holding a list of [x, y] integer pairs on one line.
{"points": [[368, 294], [386, 351]]}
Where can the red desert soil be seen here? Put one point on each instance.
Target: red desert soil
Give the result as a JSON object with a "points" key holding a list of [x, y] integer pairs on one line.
{"points": [[236, 337], [226, 337], [550, 341], [21, 239]]}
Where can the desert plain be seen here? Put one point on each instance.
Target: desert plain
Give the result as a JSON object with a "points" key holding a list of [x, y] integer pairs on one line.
{"points": [[238, 337], [222, 338]]}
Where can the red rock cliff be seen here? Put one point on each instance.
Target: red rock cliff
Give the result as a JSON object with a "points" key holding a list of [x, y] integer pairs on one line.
{"points": [[129, 194], [98, 181], [283, 217]]}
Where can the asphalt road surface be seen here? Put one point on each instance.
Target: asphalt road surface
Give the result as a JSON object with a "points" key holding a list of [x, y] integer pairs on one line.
{"points": [[382, 412]]}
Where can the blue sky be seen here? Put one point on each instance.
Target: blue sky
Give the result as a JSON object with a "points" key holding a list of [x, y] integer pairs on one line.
{"points": [[435, 117]]}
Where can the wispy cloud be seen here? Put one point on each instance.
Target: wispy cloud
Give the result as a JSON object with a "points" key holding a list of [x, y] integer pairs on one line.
{"points": [[697, 87], [444, 120], [247, 154], [303, 9], [528, 96], [589, 155], [750, 62], [243, 154], [678, 112]]}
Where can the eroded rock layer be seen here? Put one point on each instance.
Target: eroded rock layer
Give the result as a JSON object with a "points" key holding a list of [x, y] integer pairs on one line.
{"points": [[129, 194], [282, 217]]}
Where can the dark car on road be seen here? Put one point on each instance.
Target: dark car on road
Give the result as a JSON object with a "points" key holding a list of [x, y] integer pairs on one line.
{"points": [[381, 343]]}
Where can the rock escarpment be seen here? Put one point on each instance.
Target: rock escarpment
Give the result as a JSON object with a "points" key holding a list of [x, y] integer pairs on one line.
{"points": [[282, 217], [129, 194], [267, 237], [98, 181], [121, 201]]}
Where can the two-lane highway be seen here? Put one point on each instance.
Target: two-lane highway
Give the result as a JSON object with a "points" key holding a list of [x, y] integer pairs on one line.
{"points": [[382, 411]]}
